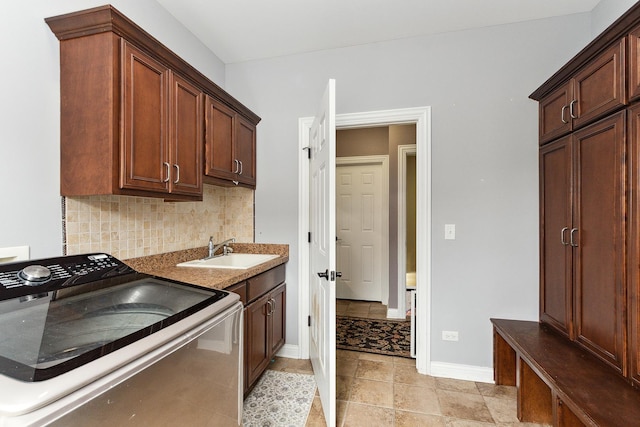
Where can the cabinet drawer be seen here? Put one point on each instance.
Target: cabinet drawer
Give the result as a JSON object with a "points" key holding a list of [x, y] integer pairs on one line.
{"points": [[240, 289], [264, 282]]}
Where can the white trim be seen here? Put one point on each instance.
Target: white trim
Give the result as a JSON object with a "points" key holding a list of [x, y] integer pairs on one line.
{"points": [[421, 116], [384, 162], [462, 372], [304, 126], [291, 351], [403, 152]]}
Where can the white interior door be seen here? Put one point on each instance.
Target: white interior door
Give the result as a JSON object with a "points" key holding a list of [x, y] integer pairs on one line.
{"points": [[359, 207], [322, 259]]}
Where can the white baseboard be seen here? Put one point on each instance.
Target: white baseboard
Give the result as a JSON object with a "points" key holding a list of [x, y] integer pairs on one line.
{"points": [[394, 313], [462, 372], [290, 351]]}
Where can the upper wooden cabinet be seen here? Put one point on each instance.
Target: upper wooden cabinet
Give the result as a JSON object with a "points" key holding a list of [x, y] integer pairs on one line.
{"points": [[593, 91], [230, 147], [132, 112], [161, 128]]}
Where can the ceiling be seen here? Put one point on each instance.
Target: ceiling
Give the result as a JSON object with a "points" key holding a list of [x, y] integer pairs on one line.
{"points": [[243, 30]]}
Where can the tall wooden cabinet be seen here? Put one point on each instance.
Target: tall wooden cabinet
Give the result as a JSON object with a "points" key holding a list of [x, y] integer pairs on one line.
{"points": [[589, 197]]}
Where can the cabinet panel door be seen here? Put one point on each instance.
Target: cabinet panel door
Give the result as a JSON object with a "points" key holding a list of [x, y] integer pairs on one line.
{"points": [[600, 87], [634, 244], [186, 137], [245, 150], [220, 134], [634, 64], [257, 339], [599, 256], [144, 143], [555, 119], [278, 319], [556, 294]]}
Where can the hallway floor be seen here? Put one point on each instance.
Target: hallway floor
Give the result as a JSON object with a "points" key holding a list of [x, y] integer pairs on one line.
{"points": [[376, 390]]}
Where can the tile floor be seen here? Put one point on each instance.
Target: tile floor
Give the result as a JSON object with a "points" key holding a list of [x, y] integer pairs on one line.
{"points": [[370, 310], [376, 390]]}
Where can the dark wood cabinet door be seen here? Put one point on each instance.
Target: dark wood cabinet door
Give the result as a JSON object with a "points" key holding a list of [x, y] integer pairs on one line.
{"points": [[634, 64], [278, 320], [599, 254], [556, 293], [257, 339], [245, 151], [220, 134], [600, 86], [144, 151], [634, 244], [554, 114], [186, 140]]}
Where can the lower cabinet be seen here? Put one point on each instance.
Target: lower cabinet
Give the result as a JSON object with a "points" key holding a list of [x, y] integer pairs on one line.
{"points": [[265, 333], [264, 297]]}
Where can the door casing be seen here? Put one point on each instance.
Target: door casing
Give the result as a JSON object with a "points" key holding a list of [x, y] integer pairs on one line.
{"points": [[421, 117]]}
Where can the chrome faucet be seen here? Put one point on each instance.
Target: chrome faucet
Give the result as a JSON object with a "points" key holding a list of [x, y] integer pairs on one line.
{"points": [[226, 250]]}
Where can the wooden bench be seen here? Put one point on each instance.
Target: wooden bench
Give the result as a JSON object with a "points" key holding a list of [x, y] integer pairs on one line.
{"points": [[558, 382]]}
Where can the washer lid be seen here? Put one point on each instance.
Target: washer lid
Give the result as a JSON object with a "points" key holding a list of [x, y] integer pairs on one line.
{"points": [[43, 335]]}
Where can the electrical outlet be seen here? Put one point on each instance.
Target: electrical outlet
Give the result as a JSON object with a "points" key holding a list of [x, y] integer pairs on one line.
{"points": [[450, 335], [450, 232]]}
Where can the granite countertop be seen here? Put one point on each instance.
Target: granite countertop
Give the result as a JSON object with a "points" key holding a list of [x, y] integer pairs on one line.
{"points": [[164, 265]]}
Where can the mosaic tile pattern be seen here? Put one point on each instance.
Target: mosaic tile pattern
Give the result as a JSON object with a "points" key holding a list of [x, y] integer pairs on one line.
{"points": [[279, 399], [129, 227]]}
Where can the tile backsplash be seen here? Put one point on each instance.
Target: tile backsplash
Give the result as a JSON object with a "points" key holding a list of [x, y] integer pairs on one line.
{"points": [[129, 227]]}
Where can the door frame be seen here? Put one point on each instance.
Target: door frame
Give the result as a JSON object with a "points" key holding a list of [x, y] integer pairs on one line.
{"points": [[383, 161], [421, 117], [403, 152]]}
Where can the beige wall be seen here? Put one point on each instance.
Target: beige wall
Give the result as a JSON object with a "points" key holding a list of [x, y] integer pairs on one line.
{"points": [[362, 142], [128, 227]]}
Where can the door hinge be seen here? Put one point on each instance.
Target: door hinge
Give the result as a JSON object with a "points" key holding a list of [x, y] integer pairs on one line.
{"points": [[309, 237], [309, 321]]}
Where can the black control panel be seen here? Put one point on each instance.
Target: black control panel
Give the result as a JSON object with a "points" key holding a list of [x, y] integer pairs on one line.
{"points": [[50, 274]]}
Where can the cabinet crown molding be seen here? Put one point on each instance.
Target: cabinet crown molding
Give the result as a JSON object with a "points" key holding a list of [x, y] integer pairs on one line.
{"points": [[108, 19], [619, 29]]}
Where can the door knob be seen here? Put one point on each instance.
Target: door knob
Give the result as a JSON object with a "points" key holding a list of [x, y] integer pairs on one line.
{"points": [[324, 274]]}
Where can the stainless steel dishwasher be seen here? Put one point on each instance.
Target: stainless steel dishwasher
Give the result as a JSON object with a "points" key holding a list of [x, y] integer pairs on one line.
{"points": [[87, 341]]}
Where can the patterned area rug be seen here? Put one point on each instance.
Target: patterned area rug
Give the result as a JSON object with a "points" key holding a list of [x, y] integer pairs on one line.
{"points": [[391, 337], [279, 399]]}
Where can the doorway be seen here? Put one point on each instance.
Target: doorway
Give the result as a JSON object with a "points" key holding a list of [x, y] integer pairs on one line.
{"points": [[421, 117], [362, 227]]}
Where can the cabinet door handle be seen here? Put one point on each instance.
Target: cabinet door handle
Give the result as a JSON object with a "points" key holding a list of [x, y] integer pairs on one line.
{"points": [[177, 173], [240, 161], [573, 116], [562, 234], [274, 305], [237, 165], [168, 166], [270, 308], [564, 107], [571, 239]]}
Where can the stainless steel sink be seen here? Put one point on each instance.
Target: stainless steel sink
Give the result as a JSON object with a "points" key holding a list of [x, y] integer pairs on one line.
{"points": [[239, 261]]}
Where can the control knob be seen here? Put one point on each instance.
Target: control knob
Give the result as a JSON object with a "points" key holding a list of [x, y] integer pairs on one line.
{"points": [[35, 275]]}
